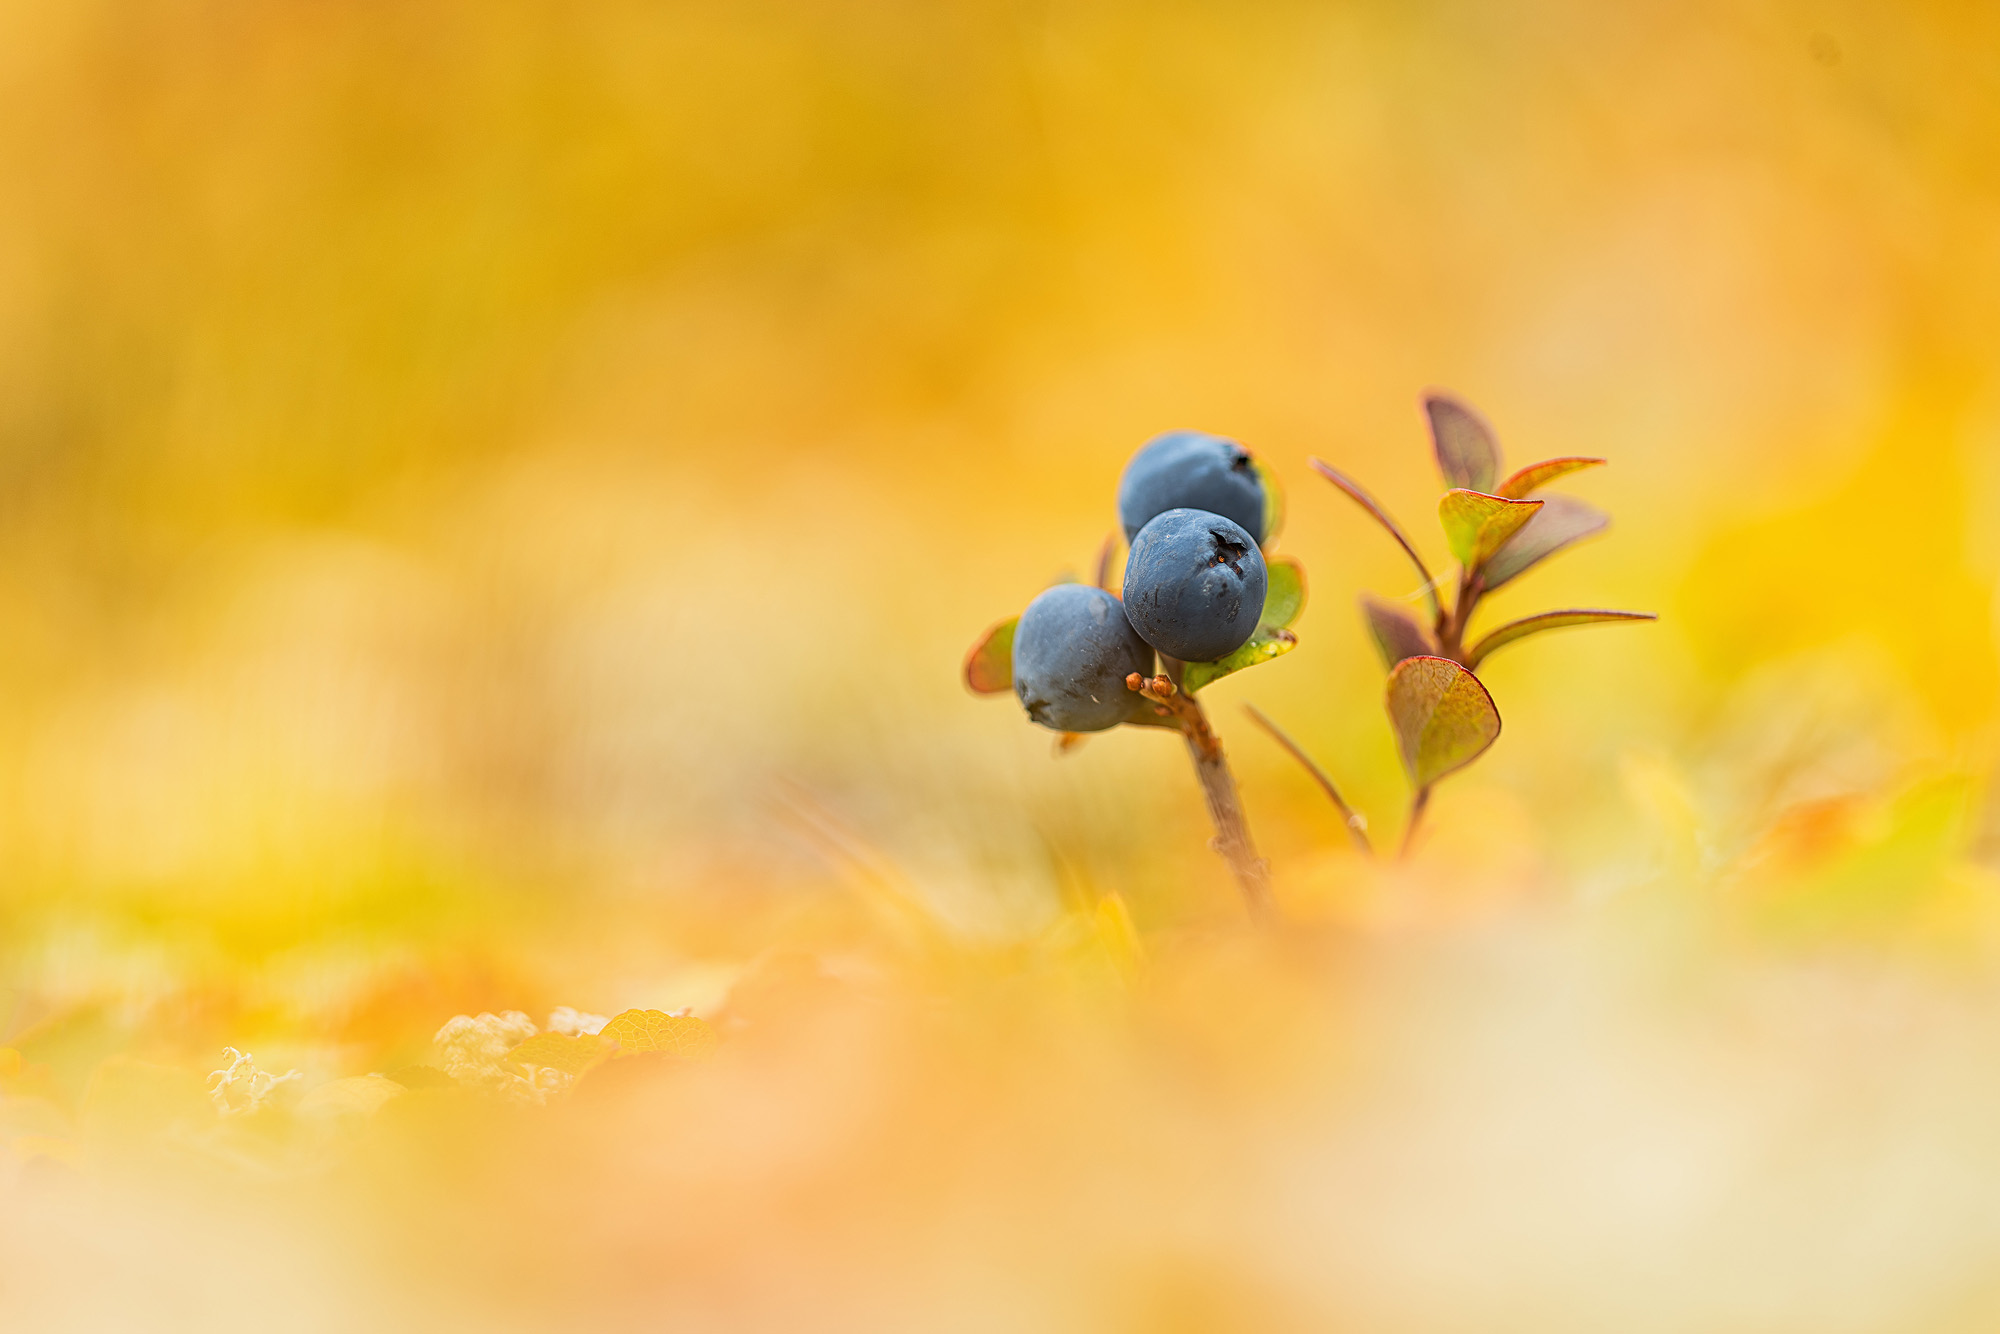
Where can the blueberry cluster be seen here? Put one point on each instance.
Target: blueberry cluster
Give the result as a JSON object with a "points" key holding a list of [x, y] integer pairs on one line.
{"points": [[1193, 507]]}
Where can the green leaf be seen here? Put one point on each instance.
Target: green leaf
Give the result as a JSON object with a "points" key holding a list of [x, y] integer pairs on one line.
{"points": [[1561, 521], [1537, 475], [561, 1051], [1443, 717], [1285, 592], [989, 668], [1467, 453], [1367, 502], [1548, 620], [1477, 525], [1398, 634], [680, 1035], [1274, 498], [1269, 642], [1284, 599]]}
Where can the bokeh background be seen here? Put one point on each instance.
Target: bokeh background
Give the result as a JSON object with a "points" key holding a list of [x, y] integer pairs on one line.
{"points": [[494, 495]]}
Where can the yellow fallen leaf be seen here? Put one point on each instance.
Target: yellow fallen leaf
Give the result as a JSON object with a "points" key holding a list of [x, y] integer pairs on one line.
{"points": [[361, 1095], [560, 1051], [681, 1035]]}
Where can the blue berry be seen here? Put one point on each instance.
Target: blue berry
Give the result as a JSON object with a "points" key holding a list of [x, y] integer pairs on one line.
{"points": [[1072, 652], [1192, 470], [1195, 585]]}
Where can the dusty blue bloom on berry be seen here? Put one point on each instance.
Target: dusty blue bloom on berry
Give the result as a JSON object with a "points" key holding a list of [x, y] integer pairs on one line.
{"points": [[1072, 652], [1192, 470], [1195, 585]]}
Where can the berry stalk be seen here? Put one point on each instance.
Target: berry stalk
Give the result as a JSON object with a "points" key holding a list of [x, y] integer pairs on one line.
{"points": [[1218, 789]]}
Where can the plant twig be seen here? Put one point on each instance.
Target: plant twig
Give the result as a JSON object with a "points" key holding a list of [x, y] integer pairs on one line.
{"points": [[1357, 828], [1417, 807], [1359, 496], [1218, 788], [1105, 555], [1451, 625]]}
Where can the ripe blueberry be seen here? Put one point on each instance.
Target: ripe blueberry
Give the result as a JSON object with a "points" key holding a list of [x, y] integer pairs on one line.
{"points": [[1191, 470], [1194, 585], [1072, 652]]}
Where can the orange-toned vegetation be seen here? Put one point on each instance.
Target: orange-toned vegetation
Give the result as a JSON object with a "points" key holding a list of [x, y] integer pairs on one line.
{"points": [[493, 500]]}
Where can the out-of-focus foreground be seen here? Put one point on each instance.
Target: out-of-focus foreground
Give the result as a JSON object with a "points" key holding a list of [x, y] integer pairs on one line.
{"points": [[492, 497]]}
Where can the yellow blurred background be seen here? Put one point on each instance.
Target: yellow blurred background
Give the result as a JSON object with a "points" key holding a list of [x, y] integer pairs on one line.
{"points": [[493, 498]]}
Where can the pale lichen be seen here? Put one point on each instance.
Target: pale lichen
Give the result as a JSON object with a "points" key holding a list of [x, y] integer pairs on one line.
{"points": [[240, 1088]]}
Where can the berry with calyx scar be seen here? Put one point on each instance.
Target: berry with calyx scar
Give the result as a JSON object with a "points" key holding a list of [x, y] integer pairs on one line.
{"points": [[1192, 470], [1073, 650], [1195, 585]]}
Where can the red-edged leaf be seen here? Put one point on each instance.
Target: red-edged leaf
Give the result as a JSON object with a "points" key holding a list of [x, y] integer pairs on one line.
{"points": [[1443, 717], [1561, 521], [1537, 475], [1477, 525], [1467, 453], [1548, 620], [1367, 502], [989, 668], [1397, 634]]}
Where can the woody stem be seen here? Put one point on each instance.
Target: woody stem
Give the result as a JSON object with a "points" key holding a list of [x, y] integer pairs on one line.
{"points": [[1218, 789]]}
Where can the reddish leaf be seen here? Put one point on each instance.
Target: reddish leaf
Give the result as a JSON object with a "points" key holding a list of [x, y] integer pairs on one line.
{"points": [[989, 668], [1467, 453], [1548, 620], [1561, 521], [1537, 475], [1381, 516], [1443, 717], [1398, 634], [1477, 525]]}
